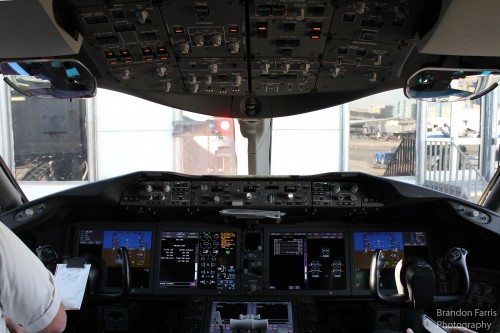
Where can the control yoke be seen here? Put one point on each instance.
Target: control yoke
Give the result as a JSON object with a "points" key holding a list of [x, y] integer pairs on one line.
{"points": [[97, 276], [416, 281]]}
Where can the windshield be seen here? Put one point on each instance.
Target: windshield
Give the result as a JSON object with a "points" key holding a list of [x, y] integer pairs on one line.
{"points": [[436, 145]]}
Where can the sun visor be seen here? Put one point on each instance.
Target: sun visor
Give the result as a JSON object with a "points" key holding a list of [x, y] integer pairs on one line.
{"points": [[30, 30], [465, 27]]}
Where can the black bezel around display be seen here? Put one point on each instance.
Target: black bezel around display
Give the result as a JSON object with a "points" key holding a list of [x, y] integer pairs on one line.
{"points": [[392, 228], [196, 291], [302, 292], [122, 227]]}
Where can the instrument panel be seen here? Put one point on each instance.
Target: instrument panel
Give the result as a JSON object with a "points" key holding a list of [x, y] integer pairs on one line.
{"points": [[269, 260], [295, 248]]}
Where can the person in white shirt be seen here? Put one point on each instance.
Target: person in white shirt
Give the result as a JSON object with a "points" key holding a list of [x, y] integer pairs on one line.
{"points": [[29, 298]]}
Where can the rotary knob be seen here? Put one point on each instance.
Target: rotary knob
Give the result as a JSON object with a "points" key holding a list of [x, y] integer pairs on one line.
{"points": [[286, 68], [184, 47], [354, 188], [290, 196], [216, 199], [166, 188], [265, 68], [213, 68], [336, 188], [148, 188], [217, 40], [234, 47], [142, 16], [199, 40]]}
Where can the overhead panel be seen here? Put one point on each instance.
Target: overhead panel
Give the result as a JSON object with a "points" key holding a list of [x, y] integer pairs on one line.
{"points": [[366, 40], [131, 41], [209, 41], [287, 39]]}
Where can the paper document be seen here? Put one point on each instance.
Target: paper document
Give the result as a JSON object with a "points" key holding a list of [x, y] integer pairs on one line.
{"points": [[71, 283]]}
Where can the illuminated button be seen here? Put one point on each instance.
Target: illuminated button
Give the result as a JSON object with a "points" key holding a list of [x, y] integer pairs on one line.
{"points": [[162, 53], [262, 27], [315, 34], [125, 53], [317, 26], [146, 51], [147, 54], [178, 30], [110, 54], [234, 29]]}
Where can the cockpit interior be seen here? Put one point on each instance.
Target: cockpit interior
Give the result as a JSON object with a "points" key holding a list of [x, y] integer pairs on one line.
{"points": [[336, 252]]}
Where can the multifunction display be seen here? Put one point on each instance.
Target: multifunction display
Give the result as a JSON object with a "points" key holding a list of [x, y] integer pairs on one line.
{"points": [[307, 261], [198, 260], [278, 315], [396, 246], [105, 244]]}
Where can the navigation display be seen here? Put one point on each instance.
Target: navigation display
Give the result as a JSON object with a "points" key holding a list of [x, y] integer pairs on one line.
{"points": [[307, 261], [105, 244], [396, 246], [198, 260]]}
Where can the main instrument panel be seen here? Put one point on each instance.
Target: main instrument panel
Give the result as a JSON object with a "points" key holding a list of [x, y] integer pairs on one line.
{"points": [[267, 260]]}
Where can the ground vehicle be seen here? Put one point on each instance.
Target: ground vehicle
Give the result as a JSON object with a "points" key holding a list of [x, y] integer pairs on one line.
{"points": [[255, 71], [384, 157]]}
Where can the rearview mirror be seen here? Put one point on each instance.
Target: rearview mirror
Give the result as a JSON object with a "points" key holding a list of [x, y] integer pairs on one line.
{"points": [[450, 85], [61, 78]]}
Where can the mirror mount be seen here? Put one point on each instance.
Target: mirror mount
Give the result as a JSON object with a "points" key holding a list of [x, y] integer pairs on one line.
{"points": [[54, 78], [451, 84]]}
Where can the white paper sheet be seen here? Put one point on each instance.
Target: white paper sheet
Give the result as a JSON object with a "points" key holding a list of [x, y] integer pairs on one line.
{"points": [[71, 283]]}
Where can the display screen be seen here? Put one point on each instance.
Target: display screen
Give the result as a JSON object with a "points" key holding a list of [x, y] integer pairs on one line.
{"points": [[105, 244], [307, 261], [396, 245], [278, 314], [198, 260]]}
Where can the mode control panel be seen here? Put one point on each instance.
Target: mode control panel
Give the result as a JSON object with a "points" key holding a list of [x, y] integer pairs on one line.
{"points": [[258, 193], [251, 193], [158, 193]]}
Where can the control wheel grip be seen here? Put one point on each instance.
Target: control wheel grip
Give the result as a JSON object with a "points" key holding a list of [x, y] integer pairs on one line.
{"points": [[456, 258]]}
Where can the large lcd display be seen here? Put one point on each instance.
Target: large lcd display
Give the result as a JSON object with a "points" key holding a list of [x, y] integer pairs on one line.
{"points": [[396, 246], [307, 261], [105, 244], [198, 260]]}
